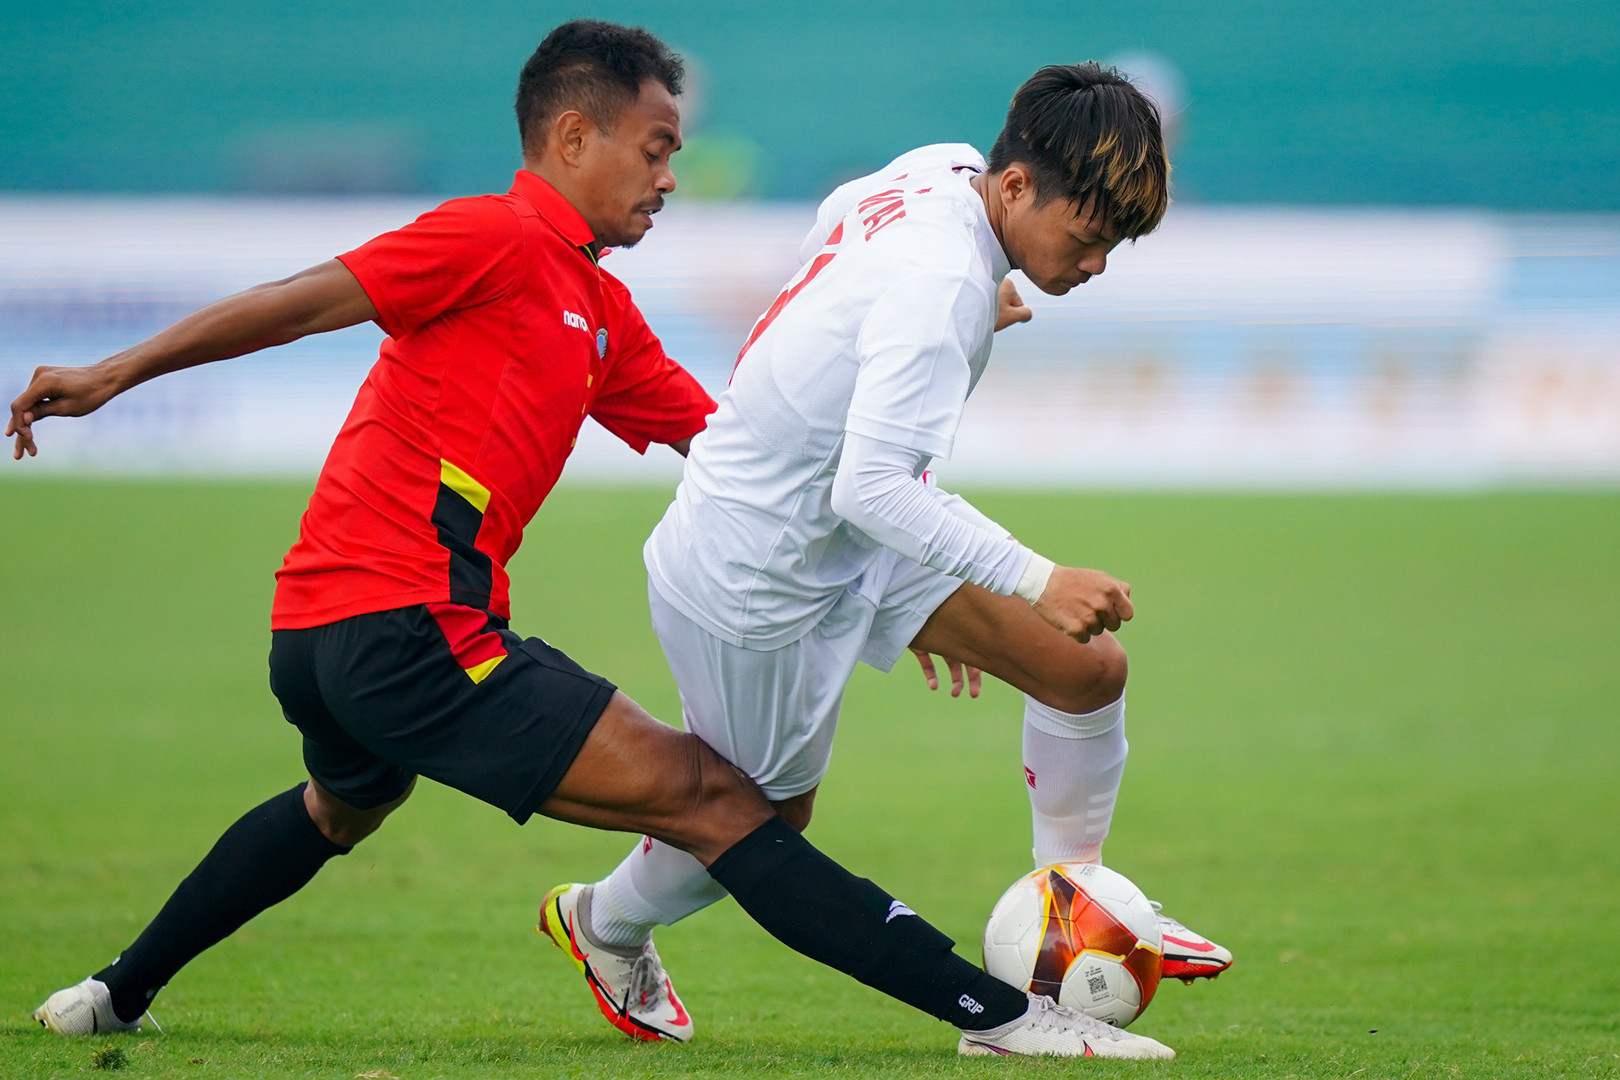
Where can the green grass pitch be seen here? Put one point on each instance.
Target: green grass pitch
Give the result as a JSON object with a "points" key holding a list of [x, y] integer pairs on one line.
{"points": [[1374, 751]]}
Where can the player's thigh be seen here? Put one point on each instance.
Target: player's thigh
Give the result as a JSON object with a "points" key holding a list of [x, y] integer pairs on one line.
{"points": [[448, 692], [771, 713], [635, 774], [348, 781], [1003, 636]]}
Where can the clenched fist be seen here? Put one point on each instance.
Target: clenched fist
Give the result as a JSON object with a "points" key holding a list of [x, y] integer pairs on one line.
{"points": [[1084, 603]]}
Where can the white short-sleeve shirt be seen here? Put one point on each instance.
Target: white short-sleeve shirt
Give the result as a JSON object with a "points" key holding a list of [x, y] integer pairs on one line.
{"points": [[884, 331]]}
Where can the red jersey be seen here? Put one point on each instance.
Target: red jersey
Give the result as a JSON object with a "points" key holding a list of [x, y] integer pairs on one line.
{"points": [[503, 335]]}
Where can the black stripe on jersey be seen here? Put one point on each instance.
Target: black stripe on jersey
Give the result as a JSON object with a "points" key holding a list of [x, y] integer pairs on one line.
{"points": [[472, 573]]}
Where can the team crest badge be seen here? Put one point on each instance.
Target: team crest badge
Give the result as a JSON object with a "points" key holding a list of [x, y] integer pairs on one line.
{"points": [[601, 342]]}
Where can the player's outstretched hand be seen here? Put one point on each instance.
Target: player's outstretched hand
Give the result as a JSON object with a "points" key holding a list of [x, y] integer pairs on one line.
{"points": [[56, 391], [961, 674], [1084, 603], [1010, 307]]}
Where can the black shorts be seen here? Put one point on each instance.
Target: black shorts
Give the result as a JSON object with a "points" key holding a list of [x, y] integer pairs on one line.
{"points": [[440, 690]]}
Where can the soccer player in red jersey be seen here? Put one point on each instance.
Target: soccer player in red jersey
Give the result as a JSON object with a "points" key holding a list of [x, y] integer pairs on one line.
{"points": [[391, 652]]}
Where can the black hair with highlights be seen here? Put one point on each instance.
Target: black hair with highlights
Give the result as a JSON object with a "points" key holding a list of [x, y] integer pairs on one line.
{"points": [[1086, 134]]}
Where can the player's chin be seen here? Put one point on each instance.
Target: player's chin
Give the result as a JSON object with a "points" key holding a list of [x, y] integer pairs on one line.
{"points": [[631, 231], [1054, 286]]}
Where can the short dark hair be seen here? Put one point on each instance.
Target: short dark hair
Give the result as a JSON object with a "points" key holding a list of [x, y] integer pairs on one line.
{"points": [[1086, 133], [594, 67]]}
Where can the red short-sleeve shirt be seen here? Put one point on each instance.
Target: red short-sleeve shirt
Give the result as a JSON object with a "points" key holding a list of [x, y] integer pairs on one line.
{"points": [[503, 335]]}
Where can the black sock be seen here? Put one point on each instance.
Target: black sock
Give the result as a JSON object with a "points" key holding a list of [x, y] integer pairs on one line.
{"points": [[814, 906], [270, 853]]}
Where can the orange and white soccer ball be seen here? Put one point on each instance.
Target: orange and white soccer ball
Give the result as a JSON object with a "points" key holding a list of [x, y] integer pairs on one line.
{"points": [[1080, 934]]}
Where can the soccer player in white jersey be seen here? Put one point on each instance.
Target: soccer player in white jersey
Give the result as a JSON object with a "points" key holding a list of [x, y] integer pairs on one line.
{"points": [[806, 535]]}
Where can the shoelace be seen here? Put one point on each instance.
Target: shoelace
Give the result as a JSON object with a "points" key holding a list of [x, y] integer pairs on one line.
{"points": [[645, 984], [1050, 1016], [1166, 921]]}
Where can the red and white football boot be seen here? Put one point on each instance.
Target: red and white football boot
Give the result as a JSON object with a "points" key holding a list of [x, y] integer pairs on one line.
{"points": [[1189, 955], [630, 985]]}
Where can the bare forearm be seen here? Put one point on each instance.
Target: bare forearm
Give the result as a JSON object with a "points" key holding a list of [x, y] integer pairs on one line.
{"points": [[324, 297], [258, 318]]}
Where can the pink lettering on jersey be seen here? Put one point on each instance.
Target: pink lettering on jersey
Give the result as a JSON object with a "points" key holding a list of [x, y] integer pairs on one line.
{"points": [[883, 208]]}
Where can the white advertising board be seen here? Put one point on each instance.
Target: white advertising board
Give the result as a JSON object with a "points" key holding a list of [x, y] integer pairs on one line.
{"points": [[1255, 347]]}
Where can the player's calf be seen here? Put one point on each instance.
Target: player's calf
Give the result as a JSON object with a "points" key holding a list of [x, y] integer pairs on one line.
{"points": [[270, 853]]}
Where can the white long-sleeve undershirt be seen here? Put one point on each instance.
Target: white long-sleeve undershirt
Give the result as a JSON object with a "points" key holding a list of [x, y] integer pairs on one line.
{"points": [[877, 490]]}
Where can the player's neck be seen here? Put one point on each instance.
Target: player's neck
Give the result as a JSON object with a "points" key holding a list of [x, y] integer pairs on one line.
{"points": [[994, 212], [559, 178]]}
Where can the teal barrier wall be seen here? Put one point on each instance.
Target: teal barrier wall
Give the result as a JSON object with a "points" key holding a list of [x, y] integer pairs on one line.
{"points": [[1513, 105]]}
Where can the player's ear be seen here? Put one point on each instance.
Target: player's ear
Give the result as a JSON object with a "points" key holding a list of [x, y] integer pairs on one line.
{"points": [[1015, 183], [569, 133]]}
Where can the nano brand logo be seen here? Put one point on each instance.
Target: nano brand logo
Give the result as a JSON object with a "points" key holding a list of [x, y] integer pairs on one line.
{"points": [[897, 909], [576, 321]]}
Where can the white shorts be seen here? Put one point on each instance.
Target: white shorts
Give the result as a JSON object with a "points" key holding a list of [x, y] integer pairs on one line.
{"points": [[773, 714]]}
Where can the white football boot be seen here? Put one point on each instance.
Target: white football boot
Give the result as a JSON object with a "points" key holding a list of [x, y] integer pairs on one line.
{"points": [[82, 1009], [1051, 1030], [1189, 955], [630, 985]]}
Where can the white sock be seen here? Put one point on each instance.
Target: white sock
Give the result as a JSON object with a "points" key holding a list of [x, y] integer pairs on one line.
{"points": [[1072, 765], [655, 885]]}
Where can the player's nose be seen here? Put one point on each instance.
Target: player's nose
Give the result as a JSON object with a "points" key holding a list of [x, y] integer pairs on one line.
{"points": [[1092, 265]]}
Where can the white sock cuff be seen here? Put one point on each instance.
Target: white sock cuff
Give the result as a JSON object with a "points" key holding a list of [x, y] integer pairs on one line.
{"points": [[1064, 725], [620, 915]]}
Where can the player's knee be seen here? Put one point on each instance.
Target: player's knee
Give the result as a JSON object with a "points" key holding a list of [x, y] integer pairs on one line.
{"points": [[797, 810], [343, 824], [1092, 680], [712, 806], [728, 797]]}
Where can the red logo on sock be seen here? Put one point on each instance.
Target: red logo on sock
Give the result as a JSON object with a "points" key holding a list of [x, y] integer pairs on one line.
{"points": [[1029, 776]]}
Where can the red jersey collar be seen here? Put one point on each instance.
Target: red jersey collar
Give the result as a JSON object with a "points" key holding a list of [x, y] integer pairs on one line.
{"points": [[551, 205]]}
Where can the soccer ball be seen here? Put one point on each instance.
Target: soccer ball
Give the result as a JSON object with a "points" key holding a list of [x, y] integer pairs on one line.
{"points": [[1080, 934]]}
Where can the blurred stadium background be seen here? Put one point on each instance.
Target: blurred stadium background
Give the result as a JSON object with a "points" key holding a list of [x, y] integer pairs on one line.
{"points": [[1372, 734], [1394, 259]]}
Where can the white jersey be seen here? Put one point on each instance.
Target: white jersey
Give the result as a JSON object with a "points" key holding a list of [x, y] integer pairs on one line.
{"points": [[883, 333]]}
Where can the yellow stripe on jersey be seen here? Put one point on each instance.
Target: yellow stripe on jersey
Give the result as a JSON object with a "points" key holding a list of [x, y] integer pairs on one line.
{"points": [[479, 672], [464, 485]]}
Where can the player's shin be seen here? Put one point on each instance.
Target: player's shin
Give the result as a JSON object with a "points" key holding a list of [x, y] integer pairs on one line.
{"points": [[816, 907], [270, 853], [655, 885], [1073, 763]]}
